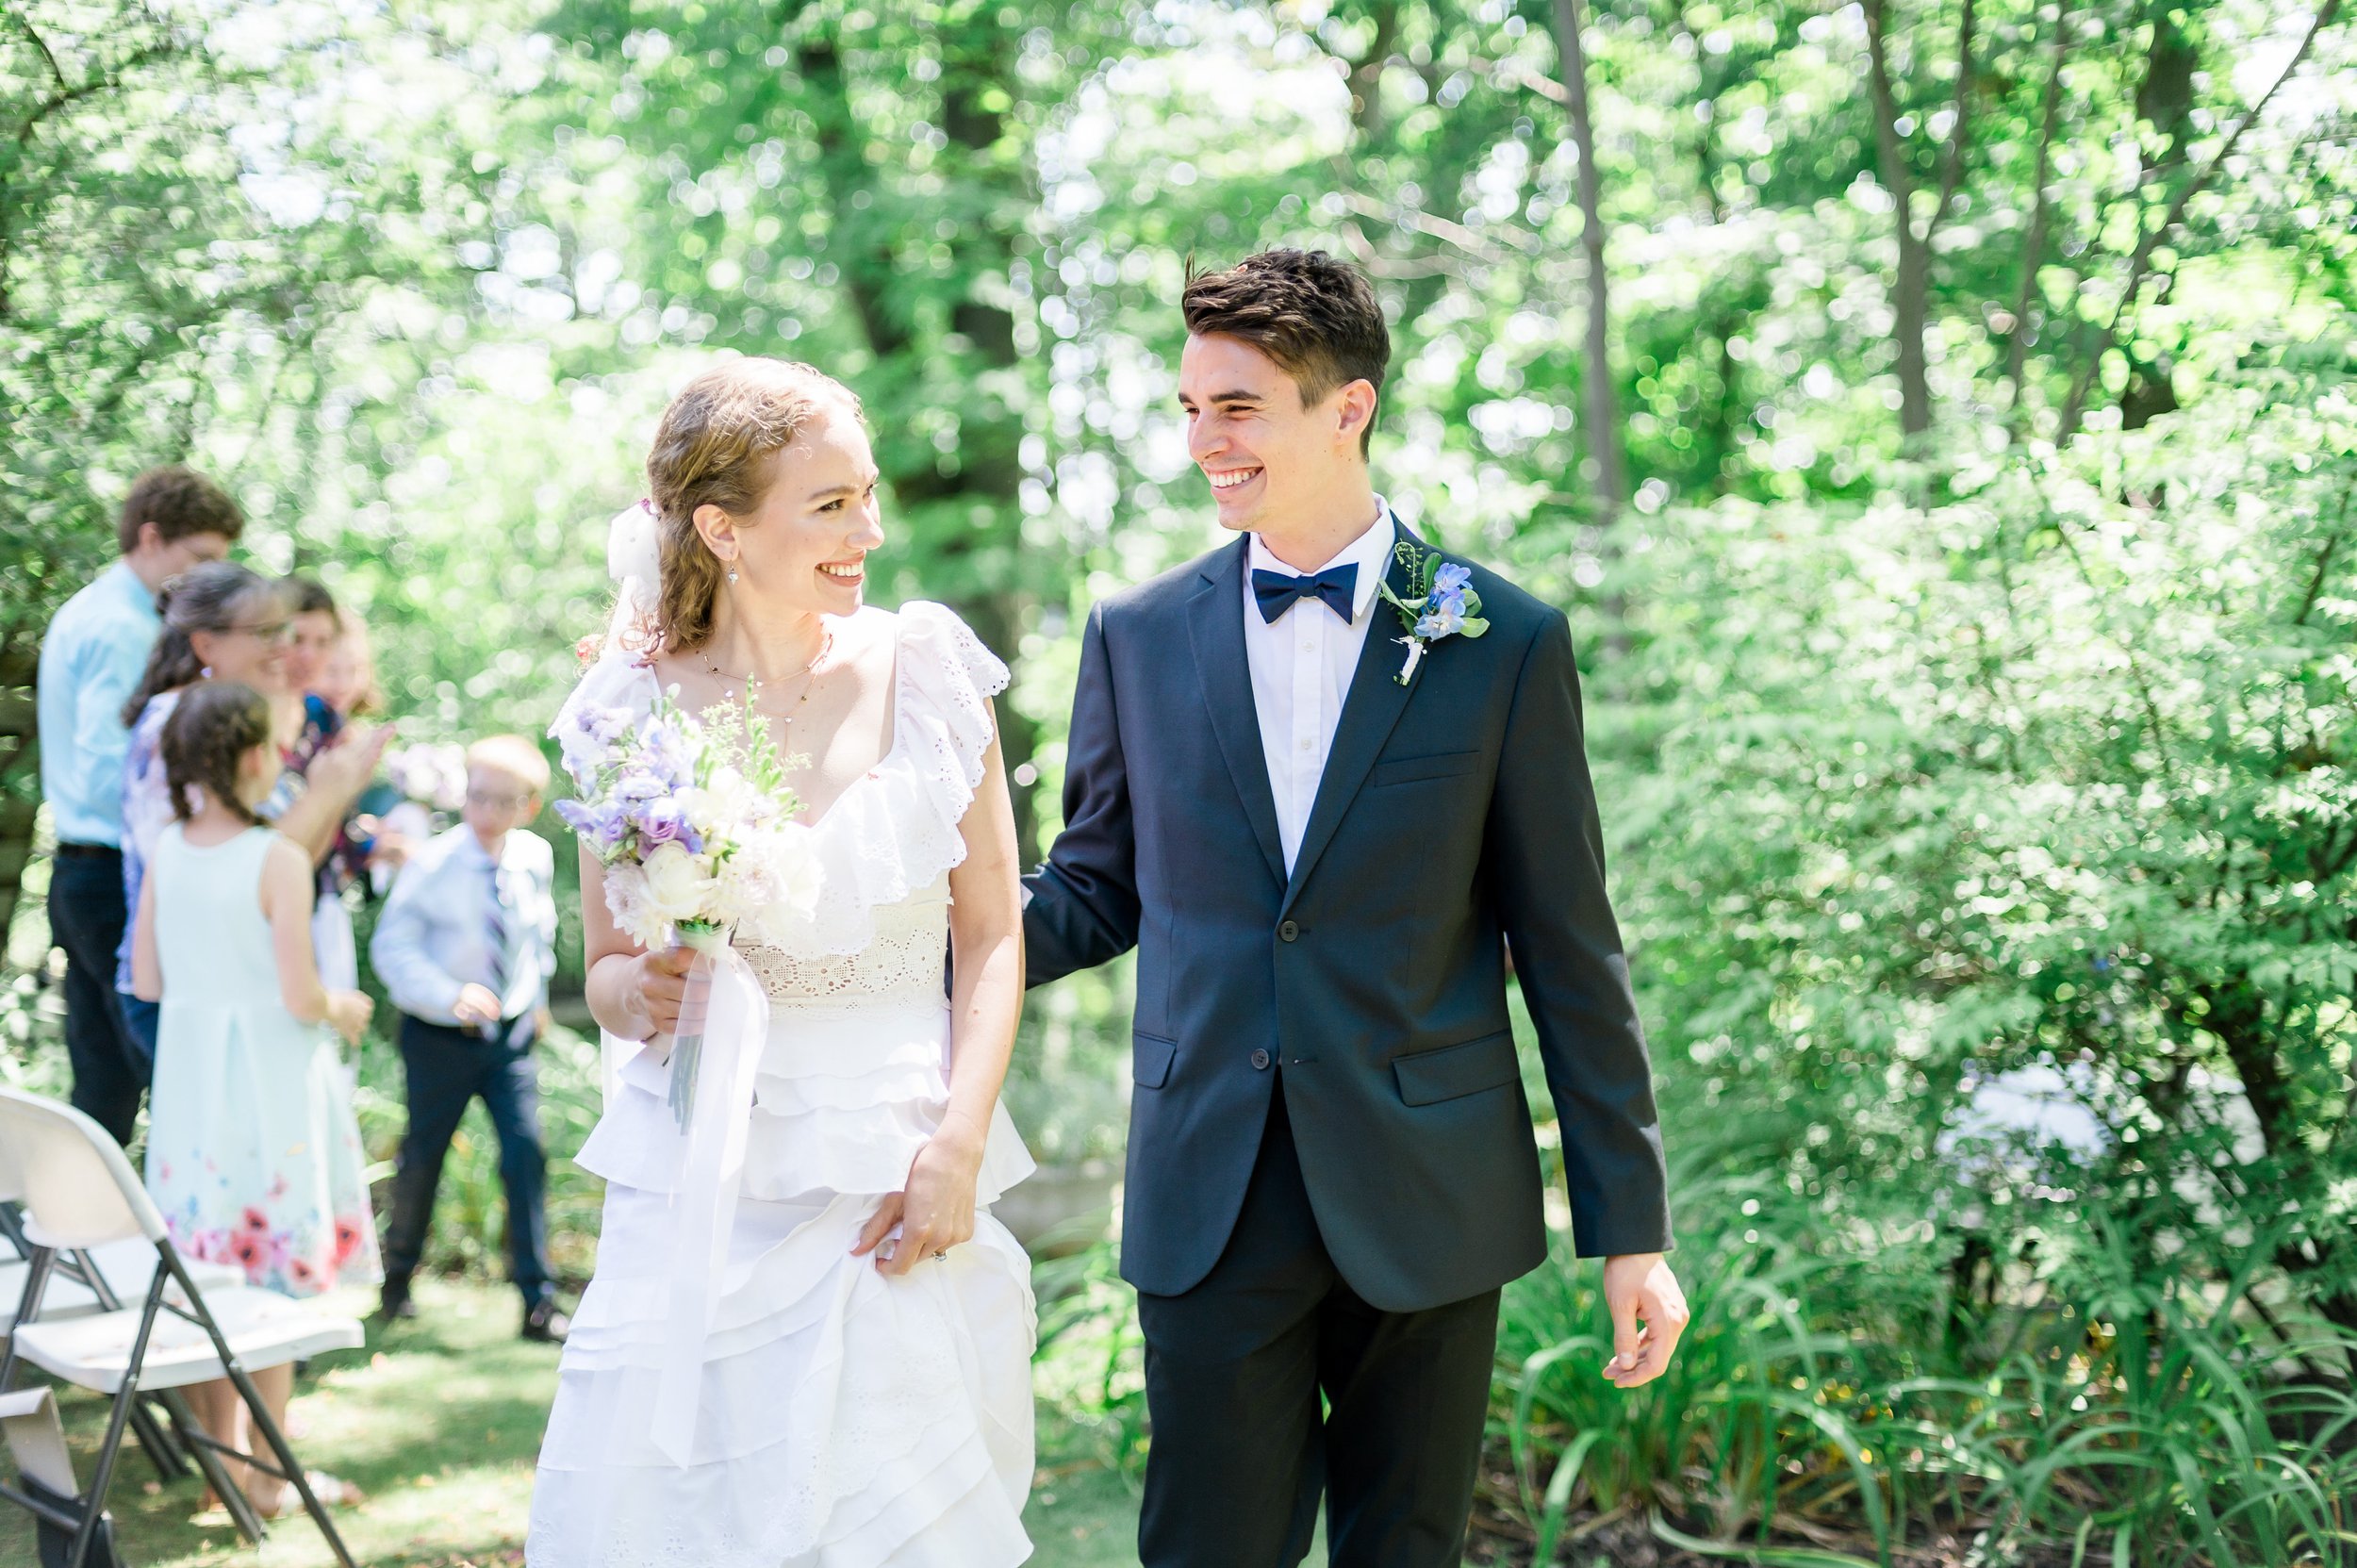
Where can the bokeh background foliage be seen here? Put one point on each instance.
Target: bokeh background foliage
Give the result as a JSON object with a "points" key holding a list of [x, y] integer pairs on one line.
{"points": [[1936, 416]]}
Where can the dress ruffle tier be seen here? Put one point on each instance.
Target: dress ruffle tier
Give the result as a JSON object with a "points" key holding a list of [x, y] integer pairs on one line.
{"points": [[845, 1419]]}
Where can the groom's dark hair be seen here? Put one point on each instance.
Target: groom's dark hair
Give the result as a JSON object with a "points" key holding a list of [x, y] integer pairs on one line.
{"points": [[1314, 314]]}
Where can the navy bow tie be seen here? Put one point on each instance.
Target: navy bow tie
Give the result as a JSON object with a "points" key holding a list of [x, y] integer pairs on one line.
{"points": [[1276, 590]]}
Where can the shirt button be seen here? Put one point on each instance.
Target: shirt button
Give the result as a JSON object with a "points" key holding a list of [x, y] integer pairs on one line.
{"points": [[1307, 648], [1260, 1061], [1289, 932], [1305, 745]]}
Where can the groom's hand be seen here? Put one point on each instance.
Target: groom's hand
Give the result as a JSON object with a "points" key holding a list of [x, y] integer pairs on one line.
{"points": [[1648, 1316]]}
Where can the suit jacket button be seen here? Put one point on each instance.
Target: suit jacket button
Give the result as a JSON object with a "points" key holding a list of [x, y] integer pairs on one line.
{"points": [[1287, 931], [1260, 1061]]}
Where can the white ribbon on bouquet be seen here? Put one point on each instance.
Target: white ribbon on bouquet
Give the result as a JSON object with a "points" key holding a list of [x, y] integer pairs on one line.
{"points": [[724, 1023], [726, 1006]]}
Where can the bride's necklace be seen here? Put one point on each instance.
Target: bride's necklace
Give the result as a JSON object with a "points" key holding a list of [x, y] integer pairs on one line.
{"points": [[752, 682]]}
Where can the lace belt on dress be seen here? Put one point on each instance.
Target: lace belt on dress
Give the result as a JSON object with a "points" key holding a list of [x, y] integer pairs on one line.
{"points": [[906, 963]]}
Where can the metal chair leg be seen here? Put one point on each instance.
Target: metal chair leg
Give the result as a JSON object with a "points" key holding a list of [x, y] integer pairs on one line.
{"points": [[208, 1464], [163, 1449], [289, 1465], [156, 1441], [94, 1501], [42, 1261]]}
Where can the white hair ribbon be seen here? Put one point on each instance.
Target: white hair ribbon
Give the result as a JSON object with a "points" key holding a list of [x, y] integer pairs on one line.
{"points": [[634, 558]]}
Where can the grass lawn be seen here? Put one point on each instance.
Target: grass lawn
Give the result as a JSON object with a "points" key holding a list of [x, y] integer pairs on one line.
{"points": [[440, 1421]]}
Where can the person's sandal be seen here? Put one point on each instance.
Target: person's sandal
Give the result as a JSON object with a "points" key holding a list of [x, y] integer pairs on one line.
{"points": [[332, 1491]]}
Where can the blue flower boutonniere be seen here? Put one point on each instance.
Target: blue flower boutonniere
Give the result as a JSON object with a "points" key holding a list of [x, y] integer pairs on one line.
{"points": [[1444, 606]]}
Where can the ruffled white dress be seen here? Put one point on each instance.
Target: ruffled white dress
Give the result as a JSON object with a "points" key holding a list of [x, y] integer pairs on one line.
{"points": [[845, 1419]]}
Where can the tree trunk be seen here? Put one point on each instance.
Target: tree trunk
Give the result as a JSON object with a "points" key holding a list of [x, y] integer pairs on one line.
{"points": [[2165, 104], [2237, 1016], [2164, 97], [2034, 245], [1602, 411], [2139, 264], [1911, 288], [1366, 78], [983, 477]]}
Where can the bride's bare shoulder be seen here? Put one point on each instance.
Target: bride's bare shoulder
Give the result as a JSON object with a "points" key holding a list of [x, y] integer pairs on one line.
{"points": [[868, 640]]}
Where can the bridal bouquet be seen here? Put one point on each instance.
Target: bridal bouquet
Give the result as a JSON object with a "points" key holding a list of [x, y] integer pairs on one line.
{"points": [[693, 821]]}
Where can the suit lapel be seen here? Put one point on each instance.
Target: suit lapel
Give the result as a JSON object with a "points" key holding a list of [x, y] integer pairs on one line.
{"points": [[1215, 626], [1371, 711]]}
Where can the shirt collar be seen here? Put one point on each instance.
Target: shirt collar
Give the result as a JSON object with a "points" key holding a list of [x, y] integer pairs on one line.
{"points": [[1370, 552], [470, 848], [132, 591]]}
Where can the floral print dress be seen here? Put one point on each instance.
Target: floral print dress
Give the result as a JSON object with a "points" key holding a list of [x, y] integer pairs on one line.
{"points": [[253, 1152]]}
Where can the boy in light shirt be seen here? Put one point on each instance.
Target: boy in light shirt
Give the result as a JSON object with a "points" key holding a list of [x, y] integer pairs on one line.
{"points": [[464, 946]]}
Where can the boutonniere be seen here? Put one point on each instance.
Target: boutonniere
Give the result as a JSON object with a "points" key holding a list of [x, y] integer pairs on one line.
{"points": [[1444, 606]]}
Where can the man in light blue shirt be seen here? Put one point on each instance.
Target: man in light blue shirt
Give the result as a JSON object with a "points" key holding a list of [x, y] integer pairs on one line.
{"points": [[91, 658], [464, 946]]}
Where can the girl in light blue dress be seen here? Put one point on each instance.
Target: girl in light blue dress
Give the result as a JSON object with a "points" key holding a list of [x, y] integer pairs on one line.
{"points": [[253, 1152]]}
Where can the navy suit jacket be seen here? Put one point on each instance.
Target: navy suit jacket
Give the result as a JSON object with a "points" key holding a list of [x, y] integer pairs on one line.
{"points": [[1454, 815]]}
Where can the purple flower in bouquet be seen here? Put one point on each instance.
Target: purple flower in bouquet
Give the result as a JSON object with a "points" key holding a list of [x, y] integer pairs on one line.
{"points": [[588, 737], [604, 825], [667, 750], [639, 783], [665, 821]]}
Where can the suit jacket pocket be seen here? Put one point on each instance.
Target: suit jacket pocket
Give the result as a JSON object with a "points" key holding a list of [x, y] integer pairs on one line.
{"points": [[1151, 1057], [1428, 1076], [1445, 765]]}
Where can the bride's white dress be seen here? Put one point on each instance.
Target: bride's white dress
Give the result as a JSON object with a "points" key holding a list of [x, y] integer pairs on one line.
{"points": [[845, 1419]]}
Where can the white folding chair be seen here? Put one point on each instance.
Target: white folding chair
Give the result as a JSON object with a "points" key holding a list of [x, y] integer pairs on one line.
{"points": [[123, 1268], [100, 1280], [78, 1193]]}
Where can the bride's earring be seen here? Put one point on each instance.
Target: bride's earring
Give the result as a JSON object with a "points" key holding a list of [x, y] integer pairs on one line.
{"points": [[732, 574]]}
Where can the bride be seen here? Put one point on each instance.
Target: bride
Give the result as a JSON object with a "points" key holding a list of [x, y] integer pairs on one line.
{"points": [[853, 1388]]}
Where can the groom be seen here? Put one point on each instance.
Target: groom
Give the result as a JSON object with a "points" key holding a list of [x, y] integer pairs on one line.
{"points": [[1331, 1164]]}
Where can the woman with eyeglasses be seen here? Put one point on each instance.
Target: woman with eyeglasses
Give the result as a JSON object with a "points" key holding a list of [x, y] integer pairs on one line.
{"points": [[225, 621]]}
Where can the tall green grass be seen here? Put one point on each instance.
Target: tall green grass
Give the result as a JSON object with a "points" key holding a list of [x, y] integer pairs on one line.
{"points": [[1090, 1369], [2108, 1412]]}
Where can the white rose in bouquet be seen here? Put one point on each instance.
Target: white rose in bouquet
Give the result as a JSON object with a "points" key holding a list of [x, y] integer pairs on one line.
{"points": [[772, 880], [729, 797], [626, 900], [679, 885]]}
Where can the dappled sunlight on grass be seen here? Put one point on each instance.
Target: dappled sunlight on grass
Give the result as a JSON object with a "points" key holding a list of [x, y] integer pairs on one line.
{"points": [[438, 1421]]}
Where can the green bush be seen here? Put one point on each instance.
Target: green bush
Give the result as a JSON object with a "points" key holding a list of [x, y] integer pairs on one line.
{"points": [[2038, 782]]}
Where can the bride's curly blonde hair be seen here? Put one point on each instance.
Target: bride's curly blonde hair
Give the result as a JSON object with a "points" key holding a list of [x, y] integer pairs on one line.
{"points": [[715, 447]]}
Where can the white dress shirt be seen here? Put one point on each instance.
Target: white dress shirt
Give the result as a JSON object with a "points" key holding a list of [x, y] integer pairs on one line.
{"points": [[1302, 664], [435, 935]]}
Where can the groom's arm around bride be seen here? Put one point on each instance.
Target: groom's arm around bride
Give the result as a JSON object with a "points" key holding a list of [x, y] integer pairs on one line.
{"points": [[1320, 820]]}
